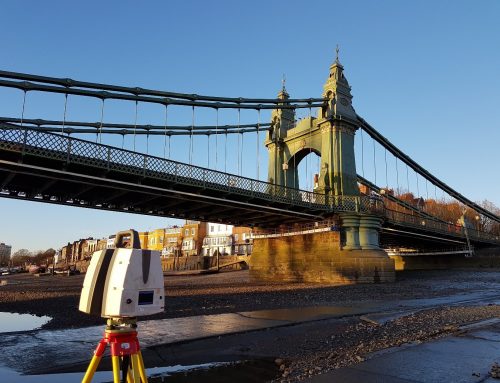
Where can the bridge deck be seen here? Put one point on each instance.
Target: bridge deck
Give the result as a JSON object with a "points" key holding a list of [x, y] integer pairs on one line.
{"points": [[58, 169], [52, 168]]}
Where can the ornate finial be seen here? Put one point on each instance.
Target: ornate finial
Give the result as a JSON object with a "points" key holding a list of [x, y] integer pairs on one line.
{"points": [[283, 82], [337, 49]]}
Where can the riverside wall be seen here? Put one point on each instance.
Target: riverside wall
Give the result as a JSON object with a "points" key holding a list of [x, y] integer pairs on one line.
{"points": [[317, 257]]}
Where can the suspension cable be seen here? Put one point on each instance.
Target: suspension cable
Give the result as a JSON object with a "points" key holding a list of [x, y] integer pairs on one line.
{"points": [[208, 150], [386, 173], [64, 115], [165, 138], [54, 126], [418, 190], [191, 138], [135, 123], [407, 179], [258, 144], [241, 153], [397, 174], [169, 139], [225, 152], [374, 162], [362, 155], [73, 85], [238, 145], [216, 137], [100, 125], [22, 111]]}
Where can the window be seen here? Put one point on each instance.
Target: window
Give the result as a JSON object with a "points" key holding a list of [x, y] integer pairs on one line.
{"points": [[192, 231], [236, 237], [212, 228], [244, 236], [186, 232]]}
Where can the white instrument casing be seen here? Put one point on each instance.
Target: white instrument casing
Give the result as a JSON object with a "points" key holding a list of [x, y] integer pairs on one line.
{"points": [[123, 282]]}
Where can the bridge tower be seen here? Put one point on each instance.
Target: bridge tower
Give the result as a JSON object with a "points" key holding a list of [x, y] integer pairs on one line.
{"points": [[330, 135], [351, 255]]}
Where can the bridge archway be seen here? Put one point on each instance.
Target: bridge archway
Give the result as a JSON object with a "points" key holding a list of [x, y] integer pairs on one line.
{"points": [[298, 159]]}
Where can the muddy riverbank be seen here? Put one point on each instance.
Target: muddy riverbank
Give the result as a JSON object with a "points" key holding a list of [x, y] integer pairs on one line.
{"points": [[58, 296], [429, 309]]}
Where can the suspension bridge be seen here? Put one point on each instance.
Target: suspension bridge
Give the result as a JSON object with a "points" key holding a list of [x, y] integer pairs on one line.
{"points": [[200, 157]]}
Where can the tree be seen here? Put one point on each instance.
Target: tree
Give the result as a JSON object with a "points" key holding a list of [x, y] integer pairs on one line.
{"points": [[21, 256], [487, 224]]}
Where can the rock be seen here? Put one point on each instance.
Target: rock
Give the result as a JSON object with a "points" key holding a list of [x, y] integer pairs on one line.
{"points": [[495, 371], [282, 367], [278, 361], [359, 358]]}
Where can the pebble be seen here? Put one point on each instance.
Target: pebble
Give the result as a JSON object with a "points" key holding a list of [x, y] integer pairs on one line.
{"points": [[495, 371]]}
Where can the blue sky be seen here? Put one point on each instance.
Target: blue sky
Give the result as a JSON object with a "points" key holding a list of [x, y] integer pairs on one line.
{"points": [[425, 74]]}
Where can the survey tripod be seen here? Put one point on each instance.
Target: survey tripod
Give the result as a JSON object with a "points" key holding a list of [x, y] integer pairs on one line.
{"points": [[121, 336]]}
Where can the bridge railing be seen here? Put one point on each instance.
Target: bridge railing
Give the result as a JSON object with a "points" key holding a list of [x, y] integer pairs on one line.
{"points": [[437, 226], [73, 150]]}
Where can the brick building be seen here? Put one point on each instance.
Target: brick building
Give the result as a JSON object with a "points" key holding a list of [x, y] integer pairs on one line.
{"points": [[193, 233]]}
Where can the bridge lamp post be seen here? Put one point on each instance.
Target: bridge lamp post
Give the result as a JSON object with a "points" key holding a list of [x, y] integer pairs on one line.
{"points": [[285, 168], [466, 233]]}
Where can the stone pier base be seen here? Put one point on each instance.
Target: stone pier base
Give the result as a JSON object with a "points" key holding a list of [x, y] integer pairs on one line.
{"points": [[317, 257]]}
